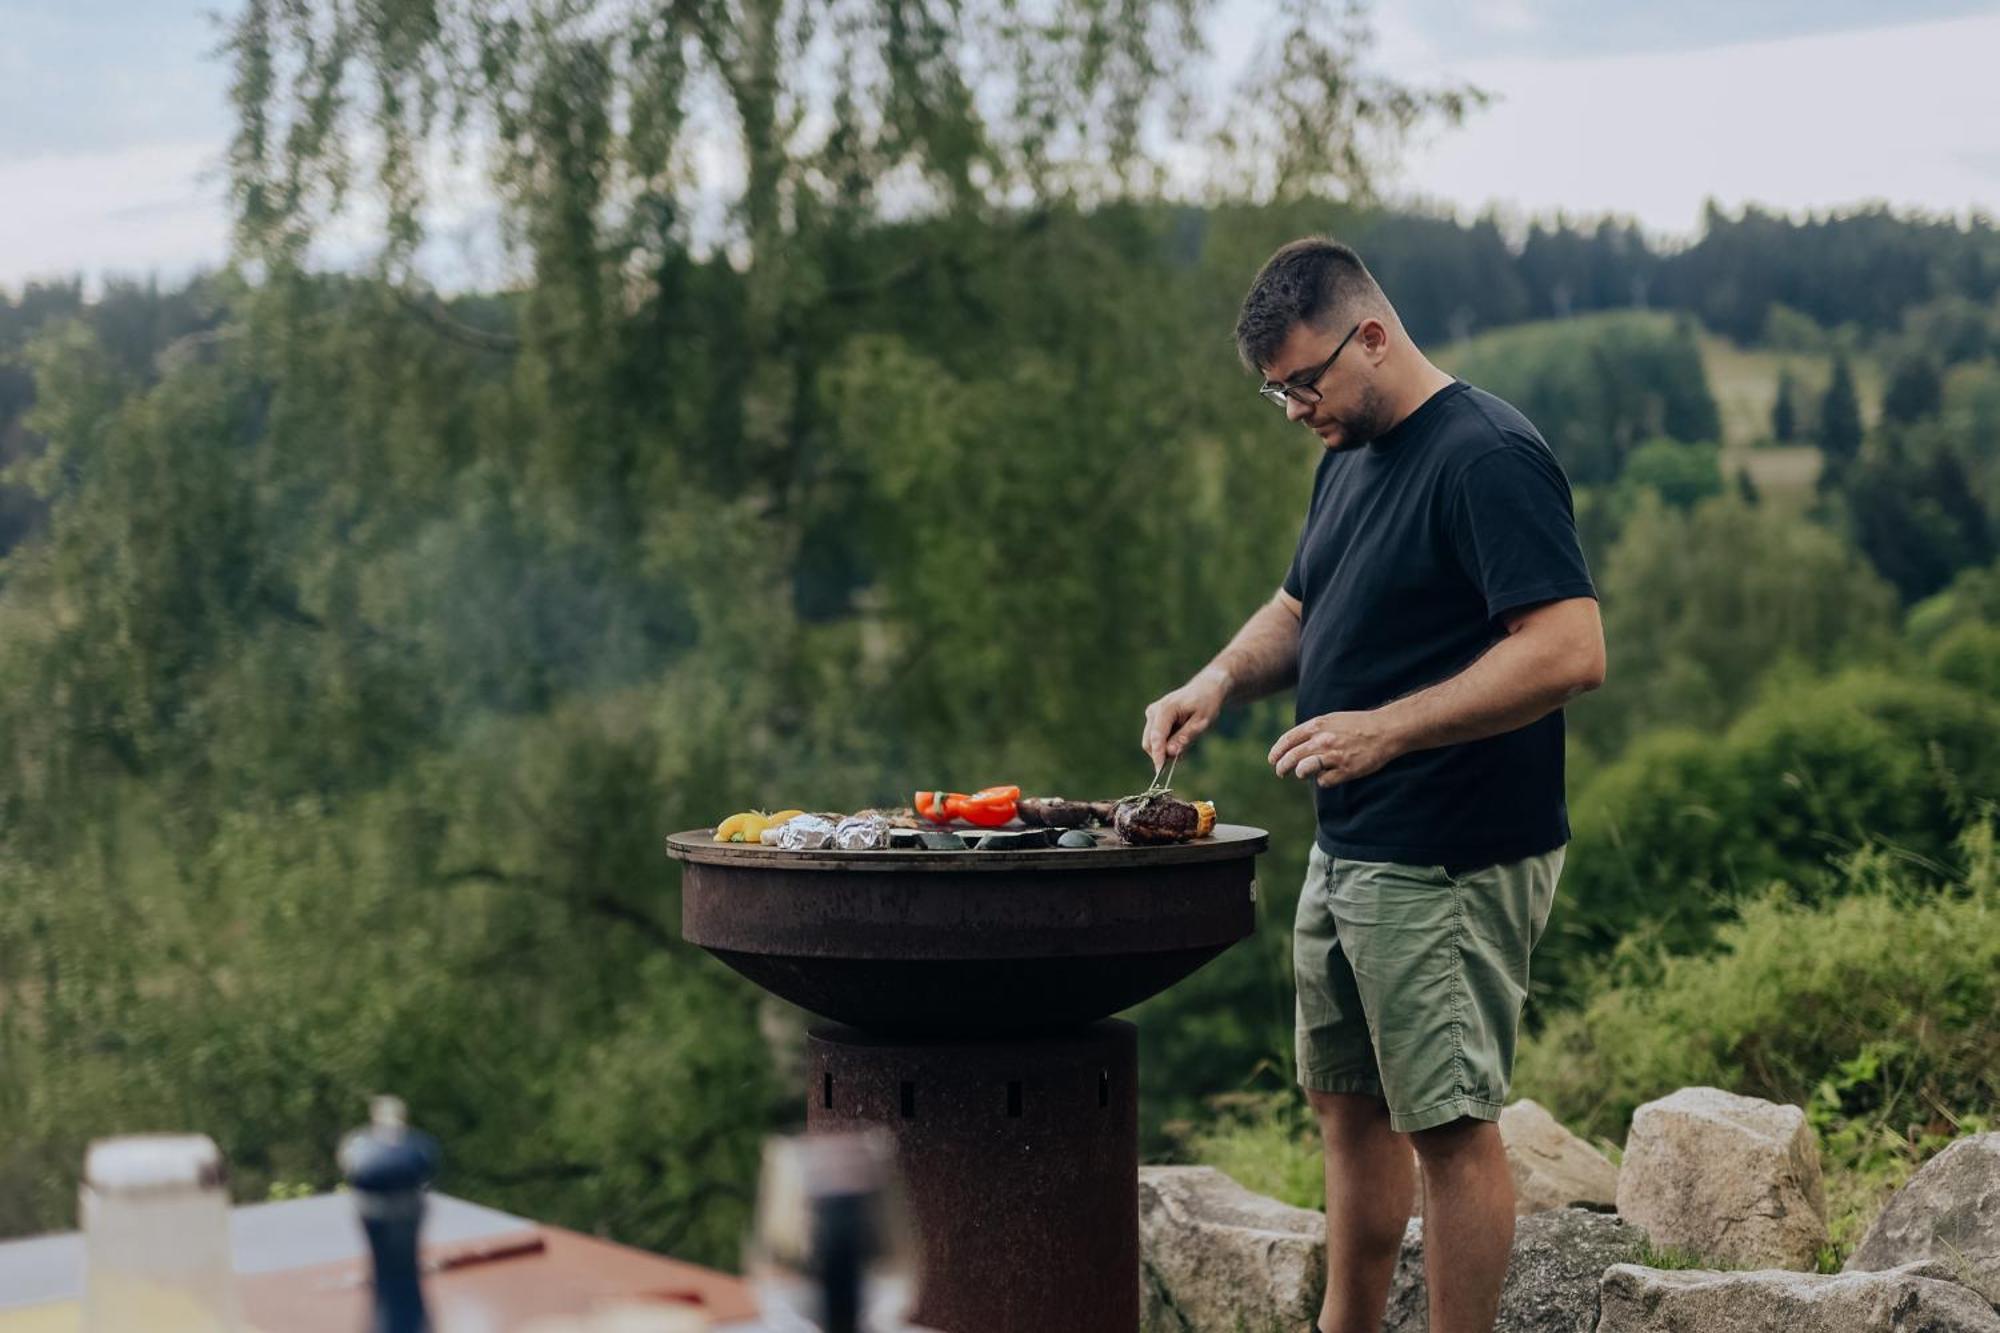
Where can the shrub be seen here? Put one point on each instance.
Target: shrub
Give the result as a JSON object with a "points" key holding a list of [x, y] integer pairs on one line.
{"points": [[1671, 836], [1263, 1140], [1874, 1010], [1968, 655]]}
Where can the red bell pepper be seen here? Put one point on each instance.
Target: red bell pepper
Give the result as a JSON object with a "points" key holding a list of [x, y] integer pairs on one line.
{"points": [[988, 808]]}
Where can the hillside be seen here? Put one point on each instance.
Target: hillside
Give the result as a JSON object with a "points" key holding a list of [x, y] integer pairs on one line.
{"points": [[1743, 382]]}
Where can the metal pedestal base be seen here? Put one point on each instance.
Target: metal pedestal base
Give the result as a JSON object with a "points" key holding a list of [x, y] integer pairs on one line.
{"points": [[1021, 1158]]}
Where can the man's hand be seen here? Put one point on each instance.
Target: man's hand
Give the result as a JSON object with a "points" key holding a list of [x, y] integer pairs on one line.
{"points": [[1173, 720], [1335, 747]]}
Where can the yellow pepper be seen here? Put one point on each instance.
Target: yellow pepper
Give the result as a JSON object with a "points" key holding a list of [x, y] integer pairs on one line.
{"points": [[745, 827]]}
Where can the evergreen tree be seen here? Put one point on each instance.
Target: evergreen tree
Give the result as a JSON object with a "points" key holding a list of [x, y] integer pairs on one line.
{"points": [[1915, 391], [1840, 417], [1784, 412]]}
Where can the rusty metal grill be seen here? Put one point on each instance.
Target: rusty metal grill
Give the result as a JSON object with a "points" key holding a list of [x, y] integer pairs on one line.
{"points": [[971, 993]]}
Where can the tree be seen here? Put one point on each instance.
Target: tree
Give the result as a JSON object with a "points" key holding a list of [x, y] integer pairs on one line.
{"points": [[373, 638], [1702, 604], [1681, 475], [1597, 387], [1840, 418], [1915, 391], [1915, 516], [1784, 412]]}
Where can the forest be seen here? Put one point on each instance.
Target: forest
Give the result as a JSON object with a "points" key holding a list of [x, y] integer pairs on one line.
{"points": [[360, 639]]}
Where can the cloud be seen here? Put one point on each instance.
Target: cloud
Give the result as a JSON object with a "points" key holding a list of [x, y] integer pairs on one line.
{"points": [[151, 209], [1513, 29], [1908, 114]]}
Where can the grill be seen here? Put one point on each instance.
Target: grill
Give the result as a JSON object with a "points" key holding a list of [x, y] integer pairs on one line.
{"points": [[970, 994]]}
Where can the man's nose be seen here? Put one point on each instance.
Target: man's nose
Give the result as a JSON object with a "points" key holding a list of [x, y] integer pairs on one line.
{"points": [[1296, 410]]}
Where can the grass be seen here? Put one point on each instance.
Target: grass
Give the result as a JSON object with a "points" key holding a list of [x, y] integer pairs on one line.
{"points": [[1264, 1141], [1744, 381]]}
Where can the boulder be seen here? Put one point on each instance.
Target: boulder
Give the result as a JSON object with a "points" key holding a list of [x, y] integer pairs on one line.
{"points": [[1552, 1284], [1553, 1168], [1917, 1298], [1215, 1258], [1949, 1212], [1733, 1179]]}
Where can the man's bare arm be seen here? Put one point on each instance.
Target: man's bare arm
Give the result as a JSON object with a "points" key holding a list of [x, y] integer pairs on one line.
{"points": [[1261, 660], [1551, 654]]}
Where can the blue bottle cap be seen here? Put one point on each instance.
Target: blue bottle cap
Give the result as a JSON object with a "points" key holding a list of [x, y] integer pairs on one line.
{"points": [[388, 1157]]}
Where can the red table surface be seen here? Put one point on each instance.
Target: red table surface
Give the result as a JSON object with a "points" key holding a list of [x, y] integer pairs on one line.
{"points": [[569, 1274]]}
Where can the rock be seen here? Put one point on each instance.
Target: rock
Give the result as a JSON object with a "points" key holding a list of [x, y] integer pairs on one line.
{"points": [[1733, 1179], [1553, 1168], [1552, 1279], [1215, 1258], [1917, 1298], [1949, 1212]]}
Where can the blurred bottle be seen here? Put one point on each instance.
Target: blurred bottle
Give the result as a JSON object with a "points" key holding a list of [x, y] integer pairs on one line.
{"points": [[389, 1167], [155, 1218], [832, 1249]]}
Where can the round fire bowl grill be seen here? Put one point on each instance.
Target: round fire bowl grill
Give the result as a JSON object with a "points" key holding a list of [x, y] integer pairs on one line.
{"points": [[969, 944], [973, 985]]}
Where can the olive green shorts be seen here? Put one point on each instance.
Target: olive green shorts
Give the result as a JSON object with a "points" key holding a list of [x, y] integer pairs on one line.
{"points": [[1411, 981]]}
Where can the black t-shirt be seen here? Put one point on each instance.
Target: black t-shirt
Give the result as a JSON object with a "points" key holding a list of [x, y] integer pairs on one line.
{"points": [[1415, 546]]}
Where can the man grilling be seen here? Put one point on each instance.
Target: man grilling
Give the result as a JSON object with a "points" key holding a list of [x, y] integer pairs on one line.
{"points": [[1436, 617]]}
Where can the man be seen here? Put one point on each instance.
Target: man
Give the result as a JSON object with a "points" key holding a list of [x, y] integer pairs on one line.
{"points": [[1436, 617]]}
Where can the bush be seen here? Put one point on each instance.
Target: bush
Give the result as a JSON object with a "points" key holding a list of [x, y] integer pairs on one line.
{"points": [[1973, 596], [1265, 1141], [1969, 656], [1685, 824], [1681, 474], [1875, 1011]]}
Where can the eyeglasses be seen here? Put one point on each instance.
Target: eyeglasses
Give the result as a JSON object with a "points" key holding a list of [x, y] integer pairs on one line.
{"points": [[1300, 388]]}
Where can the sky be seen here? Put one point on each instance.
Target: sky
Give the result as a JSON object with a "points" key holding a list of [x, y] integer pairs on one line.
{"points": [[113, 115]]}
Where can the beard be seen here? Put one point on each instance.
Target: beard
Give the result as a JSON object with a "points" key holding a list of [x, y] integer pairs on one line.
{"points": [[1369, 418]]}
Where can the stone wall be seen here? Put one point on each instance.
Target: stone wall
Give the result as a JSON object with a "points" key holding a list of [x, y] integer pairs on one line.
{"points": [[1706, 1176]]}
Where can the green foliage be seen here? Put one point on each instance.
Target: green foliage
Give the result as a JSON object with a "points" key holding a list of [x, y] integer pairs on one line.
{"points": [[1265, 1141], [1968, 656], [370, 642], [1792, 330], [1681, 475], [1596, 387], [1915, 391], [1973, 597], [1954, 328], [1700, 605], [1785, 409], [1840, 417], [1874, 1009], [1675, 1258], [1865, 267], [1684, 825], [1911, 505]]}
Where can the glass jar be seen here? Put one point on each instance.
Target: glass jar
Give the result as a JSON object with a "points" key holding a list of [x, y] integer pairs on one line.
{"points": [[155, 1215]]}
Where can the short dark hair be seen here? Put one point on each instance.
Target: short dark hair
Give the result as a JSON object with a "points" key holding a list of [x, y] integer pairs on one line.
{"points": [[1314, 280]]}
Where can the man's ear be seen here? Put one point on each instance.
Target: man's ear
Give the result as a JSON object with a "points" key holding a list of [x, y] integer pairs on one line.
{"points": [[1373, 337]]}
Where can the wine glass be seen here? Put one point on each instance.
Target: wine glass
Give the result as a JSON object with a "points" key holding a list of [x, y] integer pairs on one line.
{"points": [[831, 1249]]}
